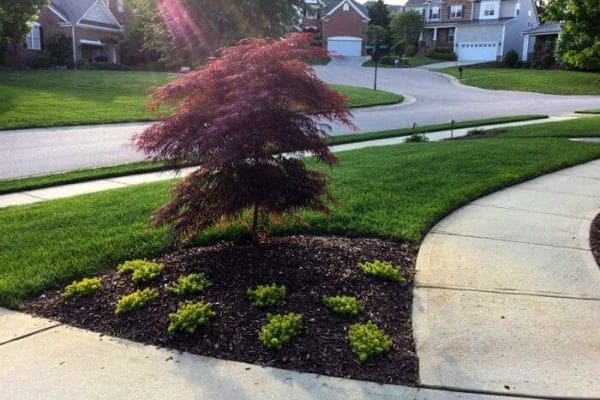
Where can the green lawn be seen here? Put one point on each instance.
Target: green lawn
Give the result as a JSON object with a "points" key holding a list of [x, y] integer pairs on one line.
{"points": [[596, 111], [37, 182], [580, 127], [363, 97], [410, 62], [396, 192], [31, 99], [531, 80]]}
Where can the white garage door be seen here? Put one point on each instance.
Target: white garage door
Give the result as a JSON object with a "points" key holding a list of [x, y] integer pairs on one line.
{"points": [[345, 46], [477, 51]]}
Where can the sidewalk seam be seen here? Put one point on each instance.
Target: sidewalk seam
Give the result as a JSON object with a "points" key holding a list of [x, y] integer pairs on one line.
{"points": [[476, 204], [507, 292], [494, 393], [440, 232], [30, 334]]}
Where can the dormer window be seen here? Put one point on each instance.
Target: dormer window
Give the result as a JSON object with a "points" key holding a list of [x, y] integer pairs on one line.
{"points": [[456, 11], [121, 6], [434, 13], [312, 13], [34, 38], [346, 7], [489, 9]]}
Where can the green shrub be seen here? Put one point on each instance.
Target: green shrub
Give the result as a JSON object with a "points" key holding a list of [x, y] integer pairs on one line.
{"points": [[189, 284], [280, 329], [367, 340], [410, 50], [267, 295], [84, 63], [135, 300], [110, 67], [83, 288], [382, 270], [442, 53], [416, 138], [190, 316], [511, 59], [142, 270], [61, 48], [42, 60], [343, 305]]}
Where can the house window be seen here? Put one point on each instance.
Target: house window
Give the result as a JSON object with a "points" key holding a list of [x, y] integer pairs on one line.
{"points": [[456, 11], [346, 7], [451, 35], [434, 13], [489, 9], [518, 9], [34, 38], [120, 6], [312, 13]]}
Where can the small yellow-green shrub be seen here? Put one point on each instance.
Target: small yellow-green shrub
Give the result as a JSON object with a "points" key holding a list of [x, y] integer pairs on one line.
{"points": [[367, 340], [190, 316], [189, 284], [343, 305], [141, 270], [82, 288], [280, 329], [267, 295], [382, 270], [135, 300]]}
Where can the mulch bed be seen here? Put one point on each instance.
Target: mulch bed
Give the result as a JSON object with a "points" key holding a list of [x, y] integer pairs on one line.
{"points": [[309, 267], [595, 238]]}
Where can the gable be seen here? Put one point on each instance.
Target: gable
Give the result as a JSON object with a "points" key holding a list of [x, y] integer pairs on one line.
{"points": [[352, 7], [99, 15]]}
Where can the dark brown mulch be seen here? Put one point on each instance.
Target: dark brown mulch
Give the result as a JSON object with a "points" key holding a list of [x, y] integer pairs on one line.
{"points": [[595, 238], [310, 267]]}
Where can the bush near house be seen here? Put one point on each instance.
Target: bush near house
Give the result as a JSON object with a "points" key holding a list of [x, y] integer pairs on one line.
{"points": [[442, 53]]}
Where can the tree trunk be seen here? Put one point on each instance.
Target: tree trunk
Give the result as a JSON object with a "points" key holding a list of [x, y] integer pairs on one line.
{"points": [[255, 238]]}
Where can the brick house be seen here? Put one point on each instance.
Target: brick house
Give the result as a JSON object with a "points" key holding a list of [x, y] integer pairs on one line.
{"points": [[477, 30], [91, 26], [339, 23]]}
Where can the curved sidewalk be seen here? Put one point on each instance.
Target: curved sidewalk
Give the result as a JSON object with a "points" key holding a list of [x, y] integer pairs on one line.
{"points": [[507, 295]]}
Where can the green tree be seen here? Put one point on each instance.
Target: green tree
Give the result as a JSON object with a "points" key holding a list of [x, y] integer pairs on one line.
{"points": [[15, 18], [188, 31], [376, 34], [406, 28], [379, 14], [579, 44]]}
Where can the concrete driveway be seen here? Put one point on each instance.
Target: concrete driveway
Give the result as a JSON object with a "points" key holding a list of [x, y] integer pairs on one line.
{"points": [[431, 98]]}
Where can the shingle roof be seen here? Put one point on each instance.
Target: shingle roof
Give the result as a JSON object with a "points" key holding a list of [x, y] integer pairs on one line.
{"points": [[73, 10], [547, 28], [413, 3], [331, 4]]}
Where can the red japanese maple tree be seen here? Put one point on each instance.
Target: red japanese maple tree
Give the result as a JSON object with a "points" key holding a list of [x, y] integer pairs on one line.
{"points": [[240, 117]]}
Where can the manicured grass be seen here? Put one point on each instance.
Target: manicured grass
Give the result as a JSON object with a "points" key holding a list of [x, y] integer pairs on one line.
{"points": [[396, 192], [363, 97], [408, 62], [38, 182], [530, 80], [30, 99], [580, 127], [361, 137], [53, 98]]}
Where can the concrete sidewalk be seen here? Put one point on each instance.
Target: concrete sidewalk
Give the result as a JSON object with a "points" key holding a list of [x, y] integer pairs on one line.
{"points": [[507, 295], [59, 192], [41, 359]]}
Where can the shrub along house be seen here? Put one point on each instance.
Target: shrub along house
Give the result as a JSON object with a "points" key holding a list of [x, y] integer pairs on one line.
{"points": [[339, 23], [477, 30], [92, 28]]}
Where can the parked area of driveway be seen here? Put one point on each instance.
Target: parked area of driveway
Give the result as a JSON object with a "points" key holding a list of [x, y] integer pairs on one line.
{"points": [[436, 100]]}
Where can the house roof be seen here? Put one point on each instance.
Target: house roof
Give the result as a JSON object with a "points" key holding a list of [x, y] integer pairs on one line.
{"points": [[89, 12], [547, 28], [468, 22], [332, 4]]}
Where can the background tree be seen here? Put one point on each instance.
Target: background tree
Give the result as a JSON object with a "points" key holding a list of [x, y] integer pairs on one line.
{"points": [[376, 34], [406, 27], [379, 14], [237, 117], [187, 31], [15, 18], [579, 44]]}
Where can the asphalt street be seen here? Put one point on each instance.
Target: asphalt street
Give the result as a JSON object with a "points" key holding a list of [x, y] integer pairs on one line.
{"points": [[430, 98]]}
